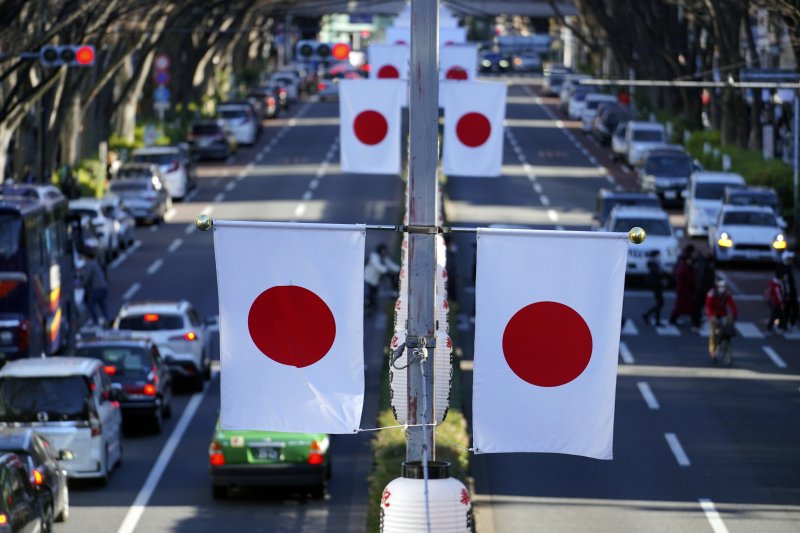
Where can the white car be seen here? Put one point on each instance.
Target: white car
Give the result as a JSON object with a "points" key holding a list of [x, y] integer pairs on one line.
{"points": [[71, 402], [124, 221], [641, 137], [747, 233], [241, 120], [102, 216], [180, 334], [703, 199], [590, 108], [619, 141], [661, 236], [290, 81], [175, 164]]}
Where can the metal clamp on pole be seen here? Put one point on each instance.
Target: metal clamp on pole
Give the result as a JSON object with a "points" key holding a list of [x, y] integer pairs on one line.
{"points": [[420, 342], [424, 230]]}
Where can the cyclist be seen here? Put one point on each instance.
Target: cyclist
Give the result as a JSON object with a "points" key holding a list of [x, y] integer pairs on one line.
{"points": [[721, 312]]}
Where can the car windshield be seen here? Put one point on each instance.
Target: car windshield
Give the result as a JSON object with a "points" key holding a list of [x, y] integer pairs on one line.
{"points": [[648, 136], [710, 190], [206, 129], [133, 185], [750, 198], [151, 322], [232, 113], [60, 398], [127, 361], [666, 165], [652, 226], [88, 212], [156, 159], [749, 218]]}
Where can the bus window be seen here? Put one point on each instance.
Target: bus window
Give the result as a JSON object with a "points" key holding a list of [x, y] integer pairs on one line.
{"points": [[9, 236]]}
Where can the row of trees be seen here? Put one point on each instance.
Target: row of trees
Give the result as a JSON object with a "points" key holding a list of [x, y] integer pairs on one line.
{"points": [[76, 108]]}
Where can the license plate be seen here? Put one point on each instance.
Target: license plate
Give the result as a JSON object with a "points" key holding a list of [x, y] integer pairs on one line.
{"points": [[265, 454], [751, 255], [670, 195], [204, 142]]}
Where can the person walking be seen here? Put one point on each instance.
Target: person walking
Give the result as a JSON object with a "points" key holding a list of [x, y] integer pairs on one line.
{"points": [[789, 284], [96, 289], [704, 277], [774, 298], [685, 285], [379, 264], [655, 280], [719, 303]]}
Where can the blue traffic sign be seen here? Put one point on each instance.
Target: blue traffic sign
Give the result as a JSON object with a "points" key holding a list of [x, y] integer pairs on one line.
{"points": [[161, 77], [161, 94]]}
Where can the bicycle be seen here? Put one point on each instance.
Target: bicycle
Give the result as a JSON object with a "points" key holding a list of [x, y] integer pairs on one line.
{"points": [[723, 333]]}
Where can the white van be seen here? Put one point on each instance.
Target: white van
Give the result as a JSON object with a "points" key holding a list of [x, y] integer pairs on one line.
{"points": [[589, 110], [703, 199], [642, 137], [70, 401]]}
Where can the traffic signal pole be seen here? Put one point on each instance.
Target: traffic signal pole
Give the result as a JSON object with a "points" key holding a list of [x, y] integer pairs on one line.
{"points": [[423, 106]]}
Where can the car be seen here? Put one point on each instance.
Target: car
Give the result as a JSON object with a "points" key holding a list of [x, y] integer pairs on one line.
{"points": [[755, 196], [661, 236], [70, 401], [608, 117], [592, 100], [703, 199], [619, 141], [124, 221], [268, 458], [242, 122], [495, 62], [44, 193], [665, 172], [554, 76], [140, 186], [102, 217], [176, 328], [211, 139], [607, 199], [40, 459], [280, 93], [176, 166], [642, 137], [270, 105], [568, 88], [328, 86], [747, 233], [527, 62], [135, 367], [21, 509], [577, 101]]}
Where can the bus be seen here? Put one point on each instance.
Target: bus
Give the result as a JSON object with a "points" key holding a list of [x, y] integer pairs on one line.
{"points": [[37, 277]]}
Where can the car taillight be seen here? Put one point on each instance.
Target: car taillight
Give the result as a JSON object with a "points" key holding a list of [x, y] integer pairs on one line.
{"points": [[110, 370], [149, 389], [23, 335], [96, 427], [315, 456], [215, 456], [321, 86], [271, 101], [188, 336], [37, 478]]}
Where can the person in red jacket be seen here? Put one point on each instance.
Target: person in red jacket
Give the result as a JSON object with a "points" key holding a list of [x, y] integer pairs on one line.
{"points": [[719, 306], [775, 300]]}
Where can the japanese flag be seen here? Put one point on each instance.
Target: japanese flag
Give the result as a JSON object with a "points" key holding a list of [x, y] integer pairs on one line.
{"points": [[402, 35], [458, 62], [291, 325], [388, 61], [549, 308], [369, 124], [473, 127]]}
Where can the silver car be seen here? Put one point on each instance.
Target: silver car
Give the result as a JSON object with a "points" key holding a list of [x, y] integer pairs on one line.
{"points": [[141, 188]]}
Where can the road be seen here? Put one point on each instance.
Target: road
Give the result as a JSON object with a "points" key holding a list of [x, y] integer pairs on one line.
{"points": [[696, 448]]}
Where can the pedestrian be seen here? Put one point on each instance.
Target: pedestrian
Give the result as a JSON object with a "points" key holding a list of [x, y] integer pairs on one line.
{"points": [[719, 302], [704, 277], [96, 290], [27, 175], [69, 185], [655, 280], [773, 295], [379, 265], [685, 285], [789, 285]]}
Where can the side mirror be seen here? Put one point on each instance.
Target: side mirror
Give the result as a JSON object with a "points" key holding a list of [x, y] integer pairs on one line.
{"points": [[66, 455]]}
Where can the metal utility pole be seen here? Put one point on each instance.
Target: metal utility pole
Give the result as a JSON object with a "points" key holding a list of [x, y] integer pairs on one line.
{"points": [[423, 154], [796, 162]]}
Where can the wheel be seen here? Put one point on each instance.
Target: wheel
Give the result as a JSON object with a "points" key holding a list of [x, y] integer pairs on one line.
{"points": [[63, 516], [47, 518], [219, 492], [157, 421], [197, 382]]}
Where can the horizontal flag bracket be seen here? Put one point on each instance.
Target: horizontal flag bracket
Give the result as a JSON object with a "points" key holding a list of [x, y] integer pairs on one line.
{"points": [[420, 342]]}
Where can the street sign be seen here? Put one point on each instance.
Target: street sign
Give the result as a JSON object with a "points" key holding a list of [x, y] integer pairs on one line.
{"points": [[161, 77], [161, 94], [161, 62]]}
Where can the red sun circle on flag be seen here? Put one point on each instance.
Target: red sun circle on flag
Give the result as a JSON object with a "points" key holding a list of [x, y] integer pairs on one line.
{"points": [[388, 71], [547, 344], [291, 325], [370, 127], [456, 73], [473, 129]]}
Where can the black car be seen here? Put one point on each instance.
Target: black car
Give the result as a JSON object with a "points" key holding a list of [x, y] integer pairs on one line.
{"points": [[665, 172], [41, 463], [496, 62], [211, 139], [608, 200], [21, 510], [135, 367], [608, 117]]}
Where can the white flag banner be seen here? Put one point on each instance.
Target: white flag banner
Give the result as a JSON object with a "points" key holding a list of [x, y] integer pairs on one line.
{"points": [[291, 325], [369, 125], [549, 309], [388, 61], [402, 35], [458, 62], [473, 127]]}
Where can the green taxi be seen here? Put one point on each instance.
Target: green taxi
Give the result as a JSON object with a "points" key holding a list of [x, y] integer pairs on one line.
{"points": [[268, 458]]}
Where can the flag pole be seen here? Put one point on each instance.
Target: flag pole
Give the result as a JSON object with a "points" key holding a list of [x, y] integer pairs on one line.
{"points": [[423, 155]]}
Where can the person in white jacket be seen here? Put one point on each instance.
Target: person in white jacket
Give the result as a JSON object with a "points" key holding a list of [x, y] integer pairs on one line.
{"points": [[379, 264]]}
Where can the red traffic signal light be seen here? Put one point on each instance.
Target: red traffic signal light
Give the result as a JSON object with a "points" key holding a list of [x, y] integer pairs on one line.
{"points": [[341, 51], [71, 55], [84, 55]]}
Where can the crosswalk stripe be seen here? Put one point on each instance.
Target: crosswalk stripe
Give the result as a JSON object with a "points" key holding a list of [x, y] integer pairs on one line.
{"points": [[748, 330], [630, 328], [668, 331]]}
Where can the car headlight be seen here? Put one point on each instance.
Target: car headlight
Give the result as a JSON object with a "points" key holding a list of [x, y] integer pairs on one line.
{"points": [[486, 63], [503, 63], [724, 240], [779, 242]]}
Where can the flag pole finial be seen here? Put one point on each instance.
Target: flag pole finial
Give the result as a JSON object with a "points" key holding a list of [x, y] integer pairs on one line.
{"points": [[636, 235], [204, 222]]}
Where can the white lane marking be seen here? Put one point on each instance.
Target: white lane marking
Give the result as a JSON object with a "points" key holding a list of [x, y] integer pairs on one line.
{"points": [[219, 197], [668, 331], [314, 184], [625, 354], [748, 330], [528, 169], [292, 122], [647, 394], [299, 210], [121, 259], [229, 187], [154, 228], [169, 215], [259, 157], [140, 503], [630, 328], [133, 289], [538, 188], [677, 449], [559, 124], [152, 269], [207, 209], [593, 160], [712, 516], [190, 228], [175, 245], [544, 199], [772, 354], [307, 196], [552, 215], [225, 172]]}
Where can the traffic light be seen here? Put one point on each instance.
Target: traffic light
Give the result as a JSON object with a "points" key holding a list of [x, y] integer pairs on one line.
{"points": [[72, 55], [308, 50]]}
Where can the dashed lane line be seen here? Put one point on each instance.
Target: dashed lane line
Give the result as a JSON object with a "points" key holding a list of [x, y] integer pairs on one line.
{"points": [[677, 449], [773, 355], [133, 289], [307, 196], [229, 187], [190, 228], [544, 199], [121, 259], [154, 228], [175, 245], [218, 198], [153, 268], [647, 394]]}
